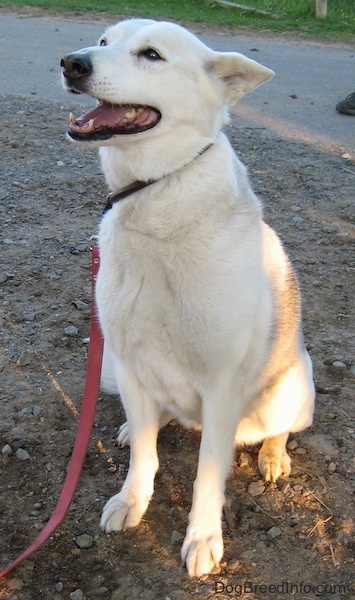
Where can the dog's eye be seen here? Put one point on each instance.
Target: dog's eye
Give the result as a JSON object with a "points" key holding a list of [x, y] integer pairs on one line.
{"points": [[150, 54], [103, 42]]}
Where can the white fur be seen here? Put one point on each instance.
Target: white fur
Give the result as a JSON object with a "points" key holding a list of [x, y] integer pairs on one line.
{"points": [[197, 301]]}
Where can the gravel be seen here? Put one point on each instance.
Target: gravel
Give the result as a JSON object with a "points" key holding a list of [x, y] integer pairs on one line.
{"points": [[51, 198]]}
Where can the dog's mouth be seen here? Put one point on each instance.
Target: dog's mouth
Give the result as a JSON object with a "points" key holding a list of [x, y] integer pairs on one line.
{"points": [[107, 120]]}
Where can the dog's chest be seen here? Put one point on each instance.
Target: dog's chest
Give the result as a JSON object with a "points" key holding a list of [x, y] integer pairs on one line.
{"points": [[147, 319]]}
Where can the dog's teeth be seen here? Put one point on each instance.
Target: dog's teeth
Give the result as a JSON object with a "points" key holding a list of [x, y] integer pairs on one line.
{"points": [[131, 114], [71, 118], [89, 126]]}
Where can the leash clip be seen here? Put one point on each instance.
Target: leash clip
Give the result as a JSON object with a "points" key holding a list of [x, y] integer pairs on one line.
{"points": [[93, 242]]}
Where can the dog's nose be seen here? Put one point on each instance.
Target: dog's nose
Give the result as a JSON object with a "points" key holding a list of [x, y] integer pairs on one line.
{"points": [[76, 66]]}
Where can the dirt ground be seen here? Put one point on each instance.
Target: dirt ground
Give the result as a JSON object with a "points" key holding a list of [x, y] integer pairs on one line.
{"points": [[294, 539]]}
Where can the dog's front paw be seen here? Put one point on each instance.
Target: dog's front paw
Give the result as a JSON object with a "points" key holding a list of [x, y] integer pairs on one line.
{"points": [[273, 461], [201, 554], [123, 435], [122, 511]]}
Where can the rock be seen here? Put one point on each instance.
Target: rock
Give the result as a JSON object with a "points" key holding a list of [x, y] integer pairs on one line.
{"points": [[273, 533], [292, 445], [176, 537], [24, 359], [248, 555], [332, 467], [80, 305], [36, 410], [71, 331], [15, 584], [29, 317], [102, 591], [244, 460], [59, 586], [57, 274], [338, 364], [76, 595], [256, 488], [234, 564], [22, 454], [84, 541], [7, 450]]}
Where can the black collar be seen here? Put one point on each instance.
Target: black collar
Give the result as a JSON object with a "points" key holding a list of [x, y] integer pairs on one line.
{"points": [[112, 198]]}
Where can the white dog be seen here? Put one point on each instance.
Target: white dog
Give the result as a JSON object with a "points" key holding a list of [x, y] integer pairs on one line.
{"points": [[198, 303]]}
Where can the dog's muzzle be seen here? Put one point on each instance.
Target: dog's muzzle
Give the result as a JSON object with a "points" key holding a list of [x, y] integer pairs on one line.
{"points": [[107, 118], [76, 66]]}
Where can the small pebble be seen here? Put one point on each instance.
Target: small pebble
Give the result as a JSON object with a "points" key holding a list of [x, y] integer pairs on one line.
{"points": [[332, 467], [300, 451], [15, 584], [244, 459], [59, 586], [84, 541], [176, 537], [80, 305], [292, 445], [71, 330], [76, 595], [24, 359], [256, 488], [22, 454], [339, 364], [248, 555], [7, 450], [36, 410], [29, 317], [234, 564], [273, 533]]}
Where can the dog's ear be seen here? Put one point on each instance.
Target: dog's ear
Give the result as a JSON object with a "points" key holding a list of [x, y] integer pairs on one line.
{"points": [[239, 73]]}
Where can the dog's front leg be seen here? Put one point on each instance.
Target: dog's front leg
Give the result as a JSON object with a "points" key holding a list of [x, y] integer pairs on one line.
{"points": [[203, 545], [127, 508]]}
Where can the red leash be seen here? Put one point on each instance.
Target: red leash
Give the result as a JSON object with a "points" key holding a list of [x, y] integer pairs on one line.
{"points": [[86, 422]]}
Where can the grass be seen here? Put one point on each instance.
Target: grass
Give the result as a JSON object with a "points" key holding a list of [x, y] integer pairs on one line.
{"points": [[293, 17]]}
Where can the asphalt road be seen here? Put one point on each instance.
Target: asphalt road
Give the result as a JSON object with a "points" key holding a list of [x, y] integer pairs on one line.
{"points": [[298, 102]]}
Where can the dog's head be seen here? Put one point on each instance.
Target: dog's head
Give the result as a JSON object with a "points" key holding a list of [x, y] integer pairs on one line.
{"points": [[155, 77]]}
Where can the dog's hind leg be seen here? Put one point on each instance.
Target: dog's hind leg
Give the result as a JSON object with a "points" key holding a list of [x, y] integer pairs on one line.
{"points": [[273, 459], [126, 508]]}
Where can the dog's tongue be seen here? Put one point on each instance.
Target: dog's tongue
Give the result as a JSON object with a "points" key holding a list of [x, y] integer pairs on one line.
{"points": [[111, 116]]}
